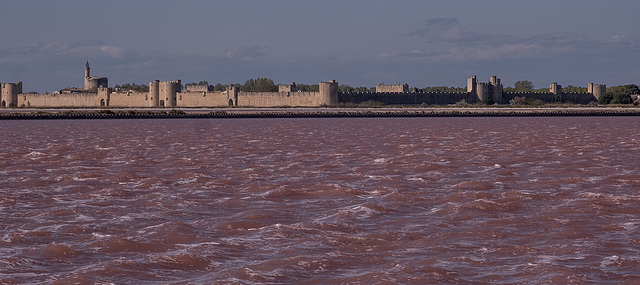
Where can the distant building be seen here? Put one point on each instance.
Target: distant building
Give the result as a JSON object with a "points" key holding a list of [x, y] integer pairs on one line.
{"points": [[487, 92], [291, 87], [198, 88], [597, 89], [392, 88], [93, 82]]}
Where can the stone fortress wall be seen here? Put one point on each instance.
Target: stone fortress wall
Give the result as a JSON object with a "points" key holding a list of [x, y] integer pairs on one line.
{"points": [[170, 94], [400, 98], [63, 99], [490, 92], [129, 98], [555, 95]]}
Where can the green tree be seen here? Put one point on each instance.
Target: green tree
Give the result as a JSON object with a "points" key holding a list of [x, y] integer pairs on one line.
{"points": [[574, 89], [605, 98], [343, 88], [308, 88], [619, 94], [219, 87], [621, 99], [259, 85], [133, 86], [523, 86], [199, 83], [363, 89], [443, 89]]}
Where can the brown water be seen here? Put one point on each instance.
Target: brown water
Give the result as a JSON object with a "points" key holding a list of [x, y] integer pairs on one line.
{"points": [[332, 201]]}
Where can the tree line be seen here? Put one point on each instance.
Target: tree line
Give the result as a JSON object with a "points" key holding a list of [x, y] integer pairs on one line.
{"points": [[133, 87], [527, 86]]}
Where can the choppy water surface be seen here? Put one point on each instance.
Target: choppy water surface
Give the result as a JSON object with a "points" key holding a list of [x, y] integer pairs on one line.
{"points": [[421, 200]]}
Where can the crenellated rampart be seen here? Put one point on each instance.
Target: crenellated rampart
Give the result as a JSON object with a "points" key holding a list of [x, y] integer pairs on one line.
{"points": [[275, 99], [579, 98], [548, 97], [128, 99], [61, 99], [202, 99], [396, 98]]}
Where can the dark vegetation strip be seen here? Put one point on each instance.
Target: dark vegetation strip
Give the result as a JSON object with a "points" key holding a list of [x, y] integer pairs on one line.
{"points": [[313, 114]]}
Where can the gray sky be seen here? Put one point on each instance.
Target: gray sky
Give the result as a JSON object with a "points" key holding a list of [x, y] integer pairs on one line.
{"points": [[357, 42]]}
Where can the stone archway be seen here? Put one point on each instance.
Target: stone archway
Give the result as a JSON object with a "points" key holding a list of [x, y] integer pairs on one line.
{"points": [[102, 103], [230, 102], [161, 103], [3, 104]]}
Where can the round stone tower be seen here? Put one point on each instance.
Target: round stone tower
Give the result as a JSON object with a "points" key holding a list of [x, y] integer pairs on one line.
{"points": [[9, 94], [597, 89], [328, 93], [154, 93], [168, 91]]}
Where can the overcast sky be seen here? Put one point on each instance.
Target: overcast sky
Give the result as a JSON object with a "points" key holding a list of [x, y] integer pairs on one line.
{"points": [[357, 42]]}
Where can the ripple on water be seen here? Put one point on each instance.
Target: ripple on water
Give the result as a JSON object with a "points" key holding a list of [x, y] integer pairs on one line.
{"points": [[332, 201]]}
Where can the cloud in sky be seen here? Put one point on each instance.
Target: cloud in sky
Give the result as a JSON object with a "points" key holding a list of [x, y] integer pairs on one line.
{"points": [[443, 50], [60, 64], [444, 30], [460, 44], [244, 53]]}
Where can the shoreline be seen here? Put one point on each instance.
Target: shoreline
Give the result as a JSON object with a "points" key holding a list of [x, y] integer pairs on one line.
{"points": [[65, 114]]}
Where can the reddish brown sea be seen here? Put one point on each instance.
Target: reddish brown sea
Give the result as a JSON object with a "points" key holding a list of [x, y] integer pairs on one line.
{"points": [[321, 201]]}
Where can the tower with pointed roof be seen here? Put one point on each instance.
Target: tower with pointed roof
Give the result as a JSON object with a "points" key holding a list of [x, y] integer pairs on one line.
{"points": [[93, 83], [87, 74]]}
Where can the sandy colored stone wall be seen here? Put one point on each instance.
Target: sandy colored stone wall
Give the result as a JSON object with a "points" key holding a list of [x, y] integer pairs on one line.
{"points": [[276, 99], [129, 99], [202, 99], [60, 100]]}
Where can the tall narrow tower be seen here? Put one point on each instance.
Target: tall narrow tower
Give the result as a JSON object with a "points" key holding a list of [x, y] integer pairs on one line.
{"points": [[87, 74]]}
